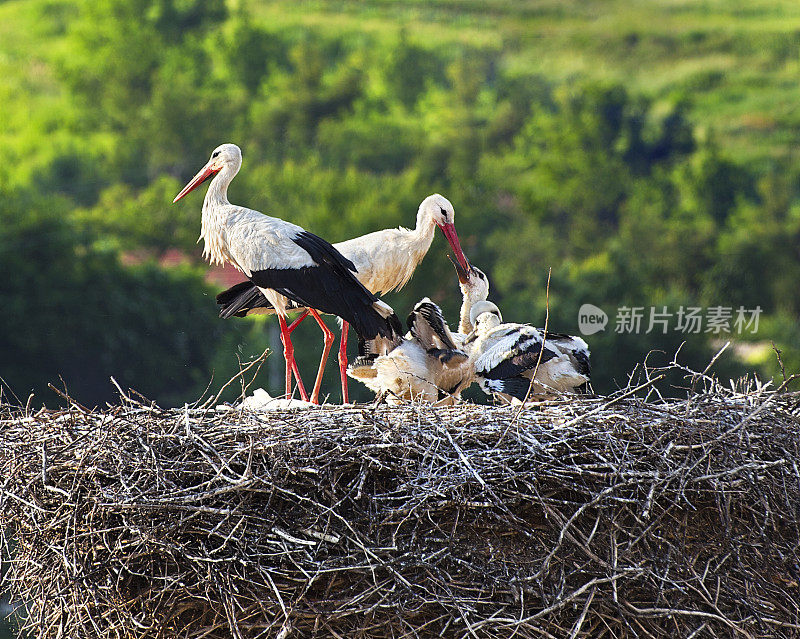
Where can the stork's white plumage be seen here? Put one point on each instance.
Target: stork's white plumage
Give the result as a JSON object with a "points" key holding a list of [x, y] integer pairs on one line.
{"points": [[505, 356], [384, 261], [426, 366], [286, 263]]}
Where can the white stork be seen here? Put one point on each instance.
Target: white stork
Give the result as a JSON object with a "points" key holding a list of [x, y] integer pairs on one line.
{"points": [[287, 264], [505, 356], [384, 260], [426, 365]]}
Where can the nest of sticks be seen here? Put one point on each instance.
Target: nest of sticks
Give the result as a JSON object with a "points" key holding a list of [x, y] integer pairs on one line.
{"points": [[620, 516]]}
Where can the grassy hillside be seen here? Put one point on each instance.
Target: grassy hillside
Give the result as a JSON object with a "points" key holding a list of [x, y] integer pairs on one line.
{"points": [[737, 61]]}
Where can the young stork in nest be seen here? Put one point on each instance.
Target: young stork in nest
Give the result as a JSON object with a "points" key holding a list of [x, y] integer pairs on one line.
{"points": [[426, 366], [287, 264], [384, 261], [505, 356], [474, 287], [430, 364]]}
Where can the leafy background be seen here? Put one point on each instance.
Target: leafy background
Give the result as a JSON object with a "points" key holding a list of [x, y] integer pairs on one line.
{"points": [[644, 150]]}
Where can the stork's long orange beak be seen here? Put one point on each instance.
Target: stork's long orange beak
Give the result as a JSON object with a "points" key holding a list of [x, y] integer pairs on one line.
{"points": [[206, 172], [449, 231]]}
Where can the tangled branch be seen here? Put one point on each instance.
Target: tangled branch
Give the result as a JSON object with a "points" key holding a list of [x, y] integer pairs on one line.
{"points": [[579, 517]]}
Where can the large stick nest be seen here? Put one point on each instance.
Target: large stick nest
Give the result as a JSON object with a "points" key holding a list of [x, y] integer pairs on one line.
{"points": [[586, 517]]}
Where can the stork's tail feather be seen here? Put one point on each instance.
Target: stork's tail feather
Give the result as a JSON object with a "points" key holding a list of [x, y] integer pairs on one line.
{"points": [[241, 299], [379, 331], [576, 348], [383, 308], [397, 327], [582, 364]]}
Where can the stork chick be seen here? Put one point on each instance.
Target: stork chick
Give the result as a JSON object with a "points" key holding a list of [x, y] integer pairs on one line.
{"points": [[505, 356], [474, 287], [426, 366]]}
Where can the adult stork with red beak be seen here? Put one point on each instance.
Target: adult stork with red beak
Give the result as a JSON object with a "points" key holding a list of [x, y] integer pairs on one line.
{"points": [[385, 261], [288, 265]]}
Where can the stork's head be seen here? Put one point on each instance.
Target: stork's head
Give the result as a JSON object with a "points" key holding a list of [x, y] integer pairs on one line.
{"points": [[439, 210], [225, 156], [473, 281], [484, 316]]}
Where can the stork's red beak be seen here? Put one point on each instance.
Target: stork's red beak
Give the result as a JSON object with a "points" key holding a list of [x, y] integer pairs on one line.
{"points": [[449, 231], [463, 275], [206, 172]]}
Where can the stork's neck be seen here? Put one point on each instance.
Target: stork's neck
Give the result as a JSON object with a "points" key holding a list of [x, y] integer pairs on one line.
{"points": [[421, 238], [470, 297], [464, 325], [214, 219], [217, 195]]}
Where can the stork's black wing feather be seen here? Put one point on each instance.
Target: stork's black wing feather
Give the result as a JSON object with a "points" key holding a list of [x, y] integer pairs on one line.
{"points": [[329, 286], [323, 252], [577, 353], [243, 298], [514, 386], [525, 354], [583, 366], [429, 314], [555, 336]]}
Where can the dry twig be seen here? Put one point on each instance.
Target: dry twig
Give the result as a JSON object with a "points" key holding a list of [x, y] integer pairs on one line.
{"points": [[591, 517]]}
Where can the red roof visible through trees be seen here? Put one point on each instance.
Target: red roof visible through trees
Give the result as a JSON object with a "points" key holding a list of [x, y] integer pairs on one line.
{"points": [[222, 276]]}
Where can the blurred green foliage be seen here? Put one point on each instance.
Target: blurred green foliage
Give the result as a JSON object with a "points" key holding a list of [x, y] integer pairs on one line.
{"points": [[648, 163], [75, 316]]}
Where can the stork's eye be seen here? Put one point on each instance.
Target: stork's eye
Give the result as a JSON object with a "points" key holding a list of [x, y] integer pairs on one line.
{"points": [[444, 213], [214, 154]]}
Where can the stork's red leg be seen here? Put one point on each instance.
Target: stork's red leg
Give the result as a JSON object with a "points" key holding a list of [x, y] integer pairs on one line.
{"points": [[296, 323], [343, 362], [328, 337], [291, 364], [290, 330]]}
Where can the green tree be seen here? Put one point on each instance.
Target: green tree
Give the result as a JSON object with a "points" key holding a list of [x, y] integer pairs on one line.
{"points": [[409, 69], [74, 313]]}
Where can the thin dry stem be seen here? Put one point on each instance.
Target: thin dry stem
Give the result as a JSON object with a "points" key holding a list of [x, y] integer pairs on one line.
{"points": [[591, 517]]}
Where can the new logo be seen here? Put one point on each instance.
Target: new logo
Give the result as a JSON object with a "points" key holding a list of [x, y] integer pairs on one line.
{"points": [[591, 319]]}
